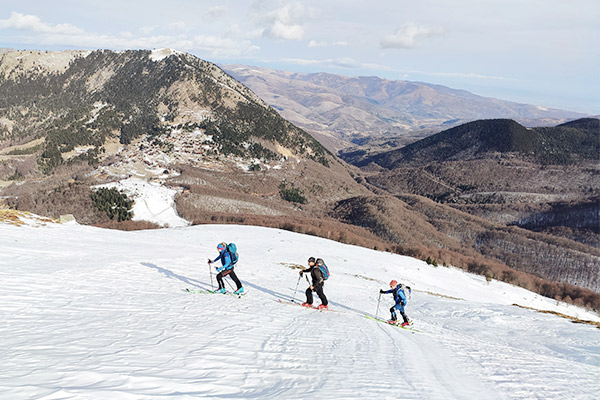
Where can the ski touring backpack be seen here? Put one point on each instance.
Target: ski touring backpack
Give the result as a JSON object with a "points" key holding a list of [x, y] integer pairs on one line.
{"points": [[232, 250], [323, 268], [407, 291]]}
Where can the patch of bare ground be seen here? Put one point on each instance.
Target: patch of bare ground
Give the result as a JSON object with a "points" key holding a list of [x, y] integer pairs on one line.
{"points": [[127, 225], [18, 218]]}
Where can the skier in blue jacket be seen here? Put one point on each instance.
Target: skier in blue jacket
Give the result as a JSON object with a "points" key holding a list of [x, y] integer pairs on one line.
{"points": [[226, 269], [400, 299]]}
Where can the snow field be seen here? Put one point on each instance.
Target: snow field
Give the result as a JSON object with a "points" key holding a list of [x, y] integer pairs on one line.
{"points": [[153, 202], [90, 313]]}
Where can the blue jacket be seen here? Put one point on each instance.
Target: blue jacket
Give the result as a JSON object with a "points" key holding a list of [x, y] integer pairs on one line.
{"points": [[398, 294], [225, 258]]}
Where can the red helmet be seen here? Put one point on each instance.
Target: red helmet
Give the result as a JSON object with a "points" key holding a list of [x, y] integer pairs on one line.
{"points": [[394, 283]]}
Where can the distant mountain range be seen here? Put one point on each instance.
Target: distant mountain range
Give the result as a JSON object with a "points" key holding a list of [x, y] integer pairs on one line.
{"points": [[342, 110]]}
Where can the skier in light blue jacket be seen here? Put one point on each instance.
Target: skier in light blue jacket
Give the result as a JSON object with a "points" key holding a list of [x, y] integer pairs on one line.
{"points": [[226, 268], [400, 299]]}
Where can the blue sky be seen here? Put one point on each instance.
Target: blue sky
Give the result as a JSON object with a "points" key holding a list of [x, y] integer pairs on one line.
{"points": [[543, 52]]}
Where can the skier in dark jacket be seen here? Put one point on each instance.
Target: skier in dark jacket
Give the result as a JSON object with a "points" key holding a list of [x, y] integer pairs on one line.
{"points": [[225, 269], [400, 299], [317, 284]]}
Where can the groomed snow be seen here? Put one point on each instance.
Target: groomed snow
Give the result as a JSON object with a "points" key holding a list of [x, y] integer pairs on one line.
{"points": [[89, 313]]}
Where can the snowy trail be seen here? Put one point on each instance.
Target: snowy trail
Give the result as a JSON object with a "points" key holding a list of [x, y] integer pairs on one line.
{"points": [[89, 313]]}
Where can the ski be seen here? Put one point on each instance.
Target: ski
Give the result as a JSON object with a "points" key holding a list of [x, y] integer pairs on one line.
{"points": [[300, 304], [203, 291], [398, 325]]}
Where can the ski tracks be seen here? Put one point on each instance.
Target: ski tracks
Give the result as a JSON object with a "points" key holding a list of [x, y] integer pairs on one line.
{"points": [[520, 368]]}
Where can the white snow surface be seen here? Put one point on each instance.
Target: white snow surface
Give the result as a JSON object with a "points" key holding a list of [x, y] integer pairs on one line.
{"points": [[153, 202], [90, 313], [161, 54]]}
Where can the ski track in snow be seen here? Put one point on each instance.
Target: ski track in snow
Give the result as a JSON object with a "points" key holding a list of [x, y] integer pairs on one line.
{"points": [[90, 313]]}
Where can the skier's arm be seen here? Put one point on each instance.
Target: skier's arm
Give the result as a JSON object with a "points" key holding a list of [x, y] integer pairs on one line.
{"points": [[216, 259], [309, 269], [386, 291]]}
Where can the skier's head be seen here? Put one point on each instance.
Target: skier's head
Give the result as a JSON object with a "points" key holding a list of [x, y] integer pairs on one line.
{"points": [[393, 283], [221, 246], [320, 261], [311, 260]]}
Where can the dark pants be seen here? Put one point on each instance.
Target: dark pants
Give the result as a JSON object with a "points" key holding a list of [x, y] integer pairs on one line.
{"points": [[231, 274], [319, 290], [400, 308]]}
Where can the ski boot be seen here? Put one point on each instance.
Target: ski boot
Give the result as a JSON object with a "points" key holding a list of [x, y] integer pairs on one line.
{"points": [[321, 307], [239, 291], [306, 305], [221, 291]]}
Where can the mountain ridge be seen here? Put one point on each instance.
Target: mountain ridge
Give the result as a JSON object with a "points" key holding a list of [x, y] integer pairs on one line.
{"points": [[349, 110], [561, 144], [169, 90]]}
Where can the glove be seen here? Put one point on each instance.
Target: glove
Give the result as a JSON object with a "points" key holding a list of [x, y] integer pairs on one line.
{"points": [[209, 261], [301, 273], [381, 290]]}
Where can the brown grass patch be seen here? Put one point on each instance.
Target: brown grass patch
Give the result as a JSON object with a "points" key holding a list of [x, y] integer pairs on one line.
{"points": [[575, 320]]}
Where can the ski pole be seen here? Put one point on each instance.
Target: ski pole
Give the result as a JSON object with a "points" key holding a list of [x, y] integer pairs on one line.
{"points": [[212, 288], [378, 300], [297, 283]]}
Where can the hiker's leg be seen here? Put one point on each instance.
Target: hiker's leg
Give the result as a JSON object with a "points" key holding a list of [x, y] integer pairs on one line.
{"points": [[309, 296], [220, 280], [319, 290], [393, 311], [233, 276]]}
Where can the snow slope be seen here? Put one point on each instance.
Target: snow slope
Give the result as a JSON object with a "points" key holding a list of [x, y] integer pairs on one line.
{"points": [[153, 201], [89, 313]]}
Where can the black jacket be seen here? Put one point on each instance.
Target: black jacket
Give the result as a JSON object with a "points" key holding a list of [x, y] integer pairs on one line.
{"points": [[316, 275]]}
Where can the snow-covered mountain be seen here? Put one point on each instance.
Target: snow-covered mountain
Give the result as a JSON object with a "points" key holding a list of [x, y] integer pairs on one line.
{"points": [[90, 313]]}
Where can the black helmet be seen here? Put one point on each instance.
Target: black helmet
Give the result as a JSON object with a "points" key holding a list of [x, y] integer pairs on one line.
{"points": [[320, 261], [311, 259]]}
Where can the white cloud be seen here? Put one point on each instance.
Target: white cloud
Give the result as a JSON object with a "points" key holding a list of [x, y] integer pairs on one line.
{"points": [[286, 22], [41, 33], [31, 22], [223, 47], [280, 30], [408, 36]]}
